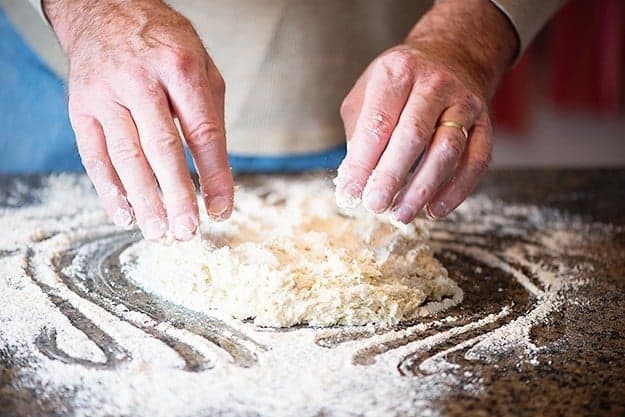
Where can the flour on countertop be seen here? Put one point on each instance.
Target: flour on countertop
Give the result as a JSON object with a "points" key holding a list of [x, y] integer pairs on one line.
{"points": [[124, 360], [288, 256]]}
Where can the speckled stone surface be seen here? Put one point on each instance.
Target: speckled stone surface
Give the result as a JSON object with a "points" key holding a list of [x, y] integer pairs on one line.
{"points": [[579, 369], [584, 375]]}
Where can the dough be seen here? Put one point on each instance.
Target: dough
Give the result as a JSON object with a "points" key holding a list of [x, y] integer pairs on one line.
{"points": [[289, 256]]}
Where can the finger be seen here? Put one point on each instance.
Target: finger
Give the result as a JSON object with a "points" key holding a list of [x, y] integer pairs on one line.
{"points": [[438, 164], [199, 107], [408, 141], [164, 151], [385, 96], [217, 88], [352, 104], [95, 159], [470, 170], [123, 147]]}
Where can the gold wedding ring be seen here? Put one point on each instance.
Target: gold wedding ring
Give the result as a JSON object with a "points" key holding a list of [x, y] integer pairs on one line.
{"points": [[449, 123]]}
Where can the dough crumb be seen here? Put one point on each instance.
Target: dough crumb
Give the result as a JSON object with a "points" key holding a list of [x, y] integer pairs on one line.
{"points": [[289, 256]]}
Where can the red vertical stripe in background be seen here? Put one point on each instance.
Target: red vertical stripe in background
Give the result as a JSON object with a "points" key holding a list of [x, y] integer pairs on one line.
{"points": [[611, 59], [572, 49], [511, 108], [577, 63], [587, 56]]}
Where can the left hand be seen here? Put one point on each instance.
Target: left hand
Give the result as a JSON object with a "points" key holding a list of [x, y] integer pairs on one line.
{"points": [[392, 118]]}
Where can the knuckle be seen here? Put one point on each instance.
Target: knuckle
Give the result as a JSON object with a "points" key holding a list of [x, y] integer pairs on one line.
{"points": [[425, 191], [431, 91], [421, 193], [418, 131], [137, 83], [182, 65], [413, 144], [166, 143], [387, 179], [440, 81], [204, 136], [182, 61], [409, 140], [398, 64], [134, 72], [124, 150], [151, 89], [470, 104], [452, 148], [379, 127]]}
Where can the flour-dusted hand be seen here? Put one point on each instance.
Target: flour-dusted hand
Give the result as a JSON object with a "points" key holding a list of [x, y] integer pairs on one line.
{"points": [[134, 66], [399, 156]]}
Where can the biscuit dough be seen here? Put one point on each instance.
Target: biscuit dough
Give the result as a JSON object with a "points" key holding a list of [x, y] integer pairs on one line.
{"points": [[289, 256]]}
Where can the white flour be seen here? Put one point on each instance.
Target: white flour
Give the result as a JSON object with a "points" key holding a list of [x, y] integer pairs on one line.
{"points": [[288, 256], [292, 374]]}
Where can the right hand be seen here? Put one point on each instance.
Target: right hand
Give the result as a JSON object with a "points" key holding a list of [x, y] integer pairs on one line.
{"points": [[134, 66]]}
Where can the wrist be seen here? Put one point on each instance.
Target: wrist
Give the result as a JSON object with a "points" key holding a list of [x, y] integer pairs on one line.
{"points": [[68, 18], [74, 19], [473, 35]]}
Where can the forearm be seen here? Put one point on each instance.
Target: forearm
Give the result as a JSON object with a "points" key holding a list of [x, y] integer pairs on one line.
{"points": [[70, 19], [64, 16], [472, 33]]}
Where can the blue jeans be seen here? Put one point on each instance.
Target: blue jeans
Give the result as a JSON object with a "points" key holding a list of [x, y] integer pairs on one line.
{"points": [[35, 132]]}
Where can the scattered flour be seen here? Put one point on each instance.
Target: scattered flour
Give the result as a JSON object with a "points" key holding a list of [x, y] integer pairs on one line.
{"points": [[292, 375], [288, 256]]}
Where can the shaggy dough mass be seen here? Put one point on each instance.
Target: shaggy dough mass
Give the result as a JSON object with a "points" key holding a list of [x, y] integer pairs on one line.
{"points": [[289, 256]]}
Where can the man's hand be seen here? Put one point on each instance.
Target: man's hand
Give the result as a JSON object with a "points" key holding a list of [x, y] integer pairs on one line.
{"points": [[446, 70], [133, 67]]}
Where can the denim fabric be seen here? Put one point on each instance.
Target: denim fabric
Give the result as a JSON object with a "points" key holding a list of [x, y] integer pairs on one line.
{"points": [[35, 133]]}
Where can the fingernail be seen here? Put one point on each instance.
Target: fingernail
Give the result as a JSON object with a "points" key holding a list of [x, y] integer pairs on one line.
{"points": [[348, 197], [153, 229], [404, 214], [185, 227], [122, 217], [217, 207], [374, 201], [436, 211]]}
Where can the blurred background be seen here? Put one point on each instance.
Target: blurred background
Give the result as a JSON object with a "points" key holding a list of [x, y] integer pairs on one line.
{"points": [[563, 104]]}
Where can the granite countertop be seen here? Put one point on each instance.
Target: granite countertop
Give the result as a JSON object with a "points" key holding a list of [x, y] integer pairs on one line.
{"points": [[576, 333], [585, 374]]}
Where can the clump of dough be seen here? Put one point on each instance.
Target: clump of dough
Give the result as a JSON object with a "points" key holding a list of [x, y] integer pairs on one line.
{"points": [[289, 256]]}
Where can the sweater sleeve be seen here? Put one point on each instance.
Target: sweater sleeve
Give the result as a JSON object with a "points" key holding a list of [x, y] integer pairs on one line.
{"points": [[38, 5], [528, 17]]}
